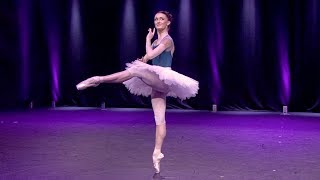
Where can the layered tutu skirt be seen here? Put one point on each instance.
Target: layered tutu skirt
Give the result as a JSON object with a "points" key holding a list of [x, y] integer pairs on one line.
{"points": [[163, 79]]}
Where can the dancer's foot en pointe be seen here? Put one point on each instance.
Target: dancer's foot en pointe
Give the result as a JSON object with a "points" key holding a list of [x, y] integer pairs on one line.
{"points": [[90, 82], [156, 161]]}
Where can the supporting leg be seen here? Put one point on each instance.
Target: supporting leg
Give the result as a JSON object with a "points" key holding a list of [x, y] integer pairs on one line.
{"points": [[158, 101]]}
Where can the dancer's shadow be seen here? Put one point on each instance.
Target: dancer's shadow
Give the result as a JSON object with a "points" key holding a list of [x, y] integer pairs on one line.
{"points": [[157, 176]]}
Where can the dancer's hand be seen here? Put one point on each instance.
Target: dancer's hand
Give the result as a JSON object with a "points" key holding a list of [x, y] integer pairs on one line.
{"points": [[150, 33], [142, 59]]}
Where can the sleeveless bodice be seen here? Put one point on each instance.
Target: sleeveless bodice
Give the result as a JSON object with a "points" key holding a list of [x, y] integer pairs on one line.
{"points": [[164, 59]]}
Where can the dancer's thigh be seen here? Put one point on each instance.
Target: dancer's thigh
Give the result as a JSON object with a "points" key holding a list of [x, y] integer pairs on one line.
{"points": [[158, 100], [152, 79]]}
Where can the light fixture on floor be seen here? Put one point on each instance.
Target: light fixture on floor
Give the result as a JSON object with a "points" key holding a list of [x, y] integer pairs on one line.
{"points": [[31, 105], [284, 110], [214, 108], [53, 104], [103, 105]]}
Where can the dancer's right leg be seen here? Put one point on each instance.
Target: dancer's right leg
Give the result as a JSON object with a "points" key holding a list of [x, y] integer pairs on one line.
{"points": [[94, 81]]}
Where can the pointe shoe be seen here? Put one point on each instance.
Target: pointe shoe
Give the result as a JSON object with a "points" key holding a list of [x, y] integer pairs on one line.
{"points": [[156, 161], [91, 82]]}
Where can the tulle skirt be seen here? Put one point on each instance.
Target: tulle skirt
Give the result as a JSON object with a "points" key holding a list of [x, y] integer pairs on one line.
{"points": [[151, 77]]}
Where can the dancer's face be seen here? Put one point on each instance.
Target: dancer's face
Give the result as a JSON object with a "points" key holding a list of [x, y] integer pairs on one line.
{"points": [[161, 21]]}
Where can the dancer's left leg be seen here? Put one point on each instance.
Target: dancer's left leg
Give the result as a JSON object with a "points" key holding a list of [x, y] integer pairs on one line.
{"points": [[158, 100]]}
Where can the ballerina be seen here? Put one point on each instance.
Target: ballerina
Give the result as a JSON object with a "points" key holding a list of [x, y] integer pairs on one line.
{"points": [[157, 80]]}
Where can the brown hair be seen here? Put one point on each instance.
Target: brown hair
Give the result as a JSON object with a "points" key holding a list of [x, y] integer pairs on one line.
{"points": [[169, 16]]}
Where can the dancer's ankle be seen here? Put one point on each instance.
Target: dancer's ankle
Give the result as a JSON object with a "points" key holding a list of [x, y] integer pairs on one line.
{"points": [[156, 151], [99, 79]]}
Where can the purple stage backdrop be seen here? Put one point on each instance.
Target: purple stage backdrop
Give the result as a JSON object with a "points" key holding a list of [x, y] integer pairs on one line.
{"points": [[246, 54]]}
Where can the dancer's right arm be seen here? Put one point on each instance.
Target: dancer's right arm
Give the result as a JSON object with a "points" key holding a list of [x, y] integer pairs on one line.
{"points": [[148, 40]]}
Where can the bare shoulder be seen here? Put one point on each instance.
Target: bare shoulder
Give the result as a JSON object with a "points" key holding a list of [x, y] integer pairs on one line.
{"points": [[167, 41]]}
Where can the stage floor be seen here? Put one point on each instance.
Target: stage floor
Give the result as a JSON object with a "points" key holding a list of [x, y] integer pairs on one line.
{"points": [[116, 144]]}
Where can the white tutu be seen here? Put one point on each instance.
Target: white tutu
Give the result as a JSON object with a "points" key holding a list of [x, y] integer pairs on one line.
{"points": [[148, 77]]}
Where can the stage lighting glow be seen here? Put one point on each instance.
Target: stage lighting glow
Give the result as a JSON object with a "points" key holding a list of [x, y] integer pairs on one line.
{"points": [[52, 26], [75, 31], [128, 37], [284, 68], [185, 24], [54, 60], [215, 45], [249, 23]]}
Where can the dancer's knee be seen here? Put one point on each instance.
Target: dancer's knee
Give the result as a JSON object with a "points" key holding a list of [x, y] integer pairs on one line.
{"points": [[159, 120], [133, 73], [123, 76]]}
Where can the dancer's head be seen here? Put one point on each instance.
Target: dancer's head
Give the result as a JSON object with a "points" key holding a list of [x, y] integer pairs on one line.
{"points": [[163, 20]]}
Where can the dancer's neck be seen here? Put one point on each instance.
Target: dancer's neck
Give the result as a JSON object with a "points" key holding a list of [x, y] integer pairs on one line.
{"points": [[162, 34]]}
